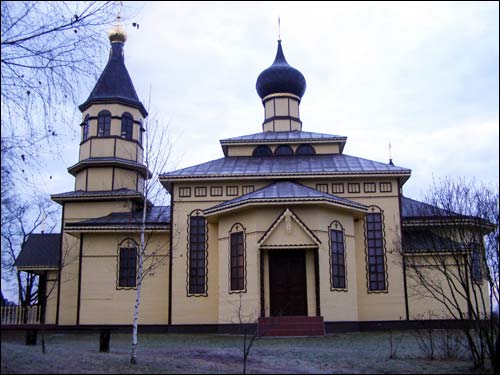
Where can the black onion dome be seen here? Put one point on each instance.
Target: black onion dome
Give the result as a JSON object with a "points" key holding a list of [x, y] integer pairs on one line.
{"points": [[280, 78]]}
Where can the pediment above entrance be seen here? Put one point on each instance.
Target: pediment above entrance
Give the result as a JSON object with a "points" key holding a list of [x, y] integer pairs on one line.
{"points": [[288, 231]]}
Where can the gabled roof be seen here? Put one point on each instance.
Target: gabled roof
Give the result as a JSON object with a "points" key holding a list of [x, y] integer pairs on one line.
{"points": [[246, 166], [41, 251], [156, 216], [285, 191], [115, 84]]}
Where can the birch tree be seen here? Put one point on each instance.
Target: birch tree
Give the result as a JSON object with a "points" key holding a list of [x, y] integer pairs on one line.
{"points": [[158, 148]]}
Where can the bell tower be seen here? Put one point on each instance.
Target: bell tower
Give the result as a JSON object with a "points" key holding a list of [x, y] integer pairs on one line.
{"points": [[111, 150]]}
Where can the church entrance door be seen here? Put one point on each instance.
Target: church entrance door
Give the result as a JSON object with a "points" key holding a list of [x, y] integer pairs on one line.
{"points": [[287, 278]]}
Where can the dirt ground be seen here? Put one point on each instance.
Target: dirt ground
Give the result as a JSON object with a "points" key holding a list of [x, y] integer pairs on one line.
{"points": [[175, 353]]}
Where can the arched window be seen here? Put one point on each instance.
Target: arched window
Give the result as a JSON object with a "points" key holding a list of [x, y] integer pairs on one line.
{"points": [[103, 124], [86, 128], [127, 122], [237, 259], [197, 254], [262, 151], [305, 150], [127, 264], [337, 256], [283, 150], [375, 248]]}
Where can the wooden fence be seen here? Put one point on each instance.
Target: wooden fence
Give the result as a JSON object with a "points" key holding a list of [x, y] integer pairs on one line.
{"points": [[17, 315]]}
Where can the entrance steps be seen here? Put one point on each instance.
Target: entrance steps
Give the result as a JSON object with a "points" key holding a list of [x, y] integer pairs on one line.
{"points": [[291, 326]]}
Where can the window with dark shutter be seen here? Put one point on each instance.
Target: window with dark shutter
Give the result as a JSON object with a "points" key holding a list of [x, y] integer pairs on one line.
{"points": [[237, 261], [337, 259], [197, 255], [375, 249], [128, 267]]}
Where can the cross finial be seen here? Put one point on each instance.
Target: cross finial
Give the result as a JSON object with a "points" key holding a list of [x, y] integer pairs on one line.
{"points": [[279, 29]]}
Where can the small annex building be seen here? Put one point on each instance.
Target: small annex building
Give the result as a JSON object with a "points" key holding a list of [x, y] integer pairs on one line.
{"points": [[283, 224]]}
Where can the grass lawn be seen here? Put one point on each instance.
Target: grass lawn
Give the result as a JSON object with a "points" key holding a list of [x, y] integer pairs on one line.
{"points": [[206, 353]]}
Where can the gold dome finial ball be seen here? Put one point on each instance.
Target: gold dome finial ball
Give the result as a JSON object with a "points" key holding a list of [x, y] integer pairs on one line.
{"points": [[117, 32]]}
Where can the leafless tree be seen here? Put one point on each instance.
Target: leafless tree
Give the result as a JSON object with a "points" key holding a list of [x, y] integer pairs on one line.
{"points": [[157, 156], [248, 328], [19, 221], [451, 251], [49, 50]]}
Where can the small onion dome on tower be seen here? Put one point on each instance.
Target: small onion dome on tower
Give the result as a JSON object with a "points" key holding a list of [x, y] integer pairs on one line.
{"points": [[280, 78], [117, 33]]}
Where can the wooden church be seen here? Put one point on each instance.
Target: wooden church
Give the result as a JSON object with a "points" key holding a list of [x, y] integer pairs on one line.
{"points": [[285, 229]]}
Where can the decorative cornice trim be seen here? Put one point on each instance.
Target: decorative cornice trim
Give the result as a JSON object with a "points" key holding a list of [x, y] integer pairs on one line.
{"points": [[289, 213]]}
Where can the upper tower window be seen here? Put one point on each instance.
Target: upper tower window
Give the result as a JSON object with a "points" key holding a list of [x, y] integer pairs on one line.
{"points": [[305, 150], [262, 151], [86, 128], [127, 122], [103, 124], [283, 150]]}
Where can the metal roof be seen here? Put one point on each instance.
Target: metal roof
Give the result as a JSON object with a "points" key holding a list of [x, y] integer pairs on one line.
{"points": [[154, 215], [285, 190], [411, 208], [82, 194], [304, 165], [426, 241], [292, 136], [108, 161], [40, 251], [115, 84]]}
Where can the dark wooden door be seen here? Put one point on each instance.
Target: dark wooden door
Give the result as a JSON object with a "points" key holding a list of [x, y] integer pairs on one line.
{"points": [[287, 278]]}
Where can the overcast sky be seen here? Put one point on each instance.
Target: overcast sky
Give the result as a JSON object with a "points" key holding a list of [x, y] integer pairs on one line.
{"points": [[422, 76]]}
